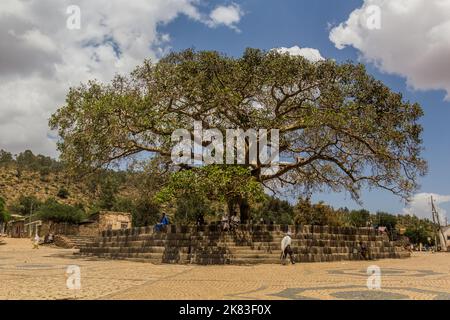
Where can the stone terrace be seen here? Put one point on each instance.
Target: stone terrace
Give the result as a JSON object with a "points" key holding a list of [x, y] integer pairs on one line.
{"points": [[250, 244]]}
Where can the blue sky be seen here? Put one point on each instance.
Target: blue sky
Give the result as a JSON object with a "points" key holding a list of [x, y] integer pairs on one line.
{"points": [[42, 55]]}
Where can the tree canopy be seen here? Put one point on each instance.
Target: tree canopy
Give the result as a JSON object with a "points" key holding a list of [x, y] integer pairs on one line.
{"points": [[339, 127]]}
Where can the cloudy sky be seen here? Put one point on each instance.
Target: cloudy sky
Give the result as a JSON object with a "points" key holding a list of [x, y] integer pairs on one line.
{"points": [[404, 43]]}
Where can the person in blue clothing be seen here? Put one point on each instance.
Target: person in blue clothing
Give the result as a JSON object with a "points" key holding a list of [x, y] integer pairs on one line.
{"points": [[164, 222]]}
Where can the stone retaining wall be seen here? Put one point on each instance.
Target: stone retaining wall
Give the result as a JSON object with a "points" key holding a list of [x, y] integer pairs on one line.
{"points": [[249, 244]]}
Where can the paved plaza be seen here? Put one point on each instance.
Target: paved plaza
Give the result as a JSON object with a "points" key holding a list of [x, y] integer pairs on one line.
{"points": [[27, 273]]}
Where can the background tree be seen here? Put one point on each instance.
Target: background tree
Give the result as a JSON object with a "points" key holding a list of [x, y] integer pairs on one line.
{"points": [[53, 211], [416, 229], [108, 191], [386, 220], [340, 128], [4, 214], [358, 218], [28, 161], [273, 210], [26, 205], [316, 214], [6, 158], [419, 234]]}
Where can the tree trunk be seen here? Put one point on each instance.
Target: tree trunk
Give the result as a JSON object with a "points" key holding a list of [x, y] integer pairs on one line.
{"points": [[231, 205], [239, 206], [244, 210]]}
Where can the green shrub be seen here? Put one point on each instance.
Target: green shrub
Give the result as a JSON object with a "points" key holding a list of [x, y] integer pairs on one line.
{"points": [[63, 193], [26, 205], [274, 210], [44, 174], [51, 210], [4, 214]]}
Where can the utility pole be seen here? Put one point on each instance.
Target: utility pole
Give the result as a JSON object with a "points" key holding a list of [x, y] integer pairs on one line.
{"points": [[438, 234], [29, 226]]}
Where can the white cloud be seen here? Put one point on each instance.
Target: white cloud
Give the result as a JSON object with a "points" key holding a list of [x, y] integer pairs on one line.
{"points": [[413, 40], [420, 206], [226, 15], [311, 54], [41, 58]]}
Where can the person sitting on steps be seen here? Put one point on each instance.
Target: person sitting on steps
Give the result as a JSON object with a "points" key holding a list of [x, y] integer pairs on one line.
{"points": [[363, 250], [163, 223], [234, 221], [286, 248], [225, 222]]}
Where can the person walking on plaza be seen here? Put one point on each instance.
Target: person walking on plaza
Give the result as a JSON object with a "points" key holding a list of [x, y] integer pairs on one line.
{"points": [[286, 248], [36, 241]]}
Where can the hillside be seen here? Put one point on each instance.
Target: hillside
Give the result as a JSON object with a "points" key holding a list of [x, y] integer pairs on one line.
{"points": [[31, 183]]}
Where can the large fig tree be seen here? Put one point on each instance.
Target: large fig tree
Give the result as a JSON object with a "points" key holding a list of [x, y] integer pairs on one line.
{"points": [[338, 126]]}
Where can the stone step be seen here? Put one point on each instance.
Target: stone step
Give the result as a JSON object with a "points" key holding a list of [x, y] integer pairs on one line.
{"points": [[256, 244], [247, 228], [242, 259], [315, 250], [251, 237], [276, 245], [149, 257], [156, 250], [72, 241], [309, 258], [233, 250]]}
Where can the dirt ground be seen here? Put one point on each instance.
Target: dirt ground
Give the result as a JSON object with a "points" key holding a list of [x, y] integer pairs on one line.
{"points": [[27, 273]]}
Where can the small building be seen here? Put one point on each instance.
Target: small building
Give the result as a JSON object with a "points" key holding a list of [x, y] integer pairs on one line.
{"points": [[23, 227], [16, 228], [105, 220], [446, 232]]}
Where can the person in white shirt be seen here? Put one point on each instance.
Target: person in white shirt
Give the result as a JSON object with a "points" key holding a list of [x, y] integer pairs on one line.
{"points": [[235, 221], [36, 241], [225, 222], [286, 248]]}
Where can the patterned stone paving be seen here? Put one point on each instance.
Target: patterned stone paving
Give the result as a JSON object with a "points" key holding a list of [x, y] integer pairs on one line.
{"points": [[41, 274]]}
